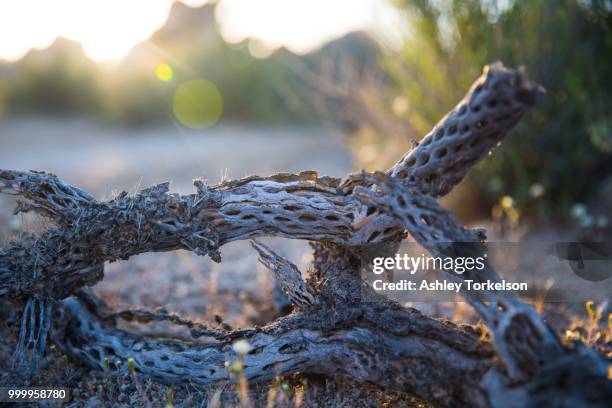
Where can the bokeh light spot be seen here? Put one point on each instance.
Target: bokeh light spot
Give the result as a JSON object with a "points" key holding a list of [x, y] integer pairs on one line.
{"points": [[164, 72], [197, 104], [259, 49]]}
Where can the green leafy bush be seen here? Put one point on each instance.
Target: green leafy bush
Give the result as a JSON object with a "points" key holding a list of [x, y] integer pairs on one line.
{"points": [[561, 153]]}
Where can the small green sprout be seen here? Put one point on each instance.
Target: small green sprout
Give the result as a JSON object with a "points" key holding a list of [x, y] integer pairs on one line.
{"points": [[139, 387], [109, 377], [132, 365], [170, 398], [237, 368]]}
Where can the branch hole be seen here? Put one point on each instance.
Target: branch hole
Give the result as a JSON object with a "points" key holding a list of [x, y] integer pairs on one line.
{"points": [[96, 354], [307, 218], [441, 153], [373, 236], [371, 210], [423, 159], [291, 208], [501, 118]]}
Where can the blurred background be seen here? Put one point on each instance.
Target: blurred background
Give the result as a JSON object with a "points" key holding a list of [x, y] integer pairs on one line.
{"points": [[107, 92], [118, 95]]}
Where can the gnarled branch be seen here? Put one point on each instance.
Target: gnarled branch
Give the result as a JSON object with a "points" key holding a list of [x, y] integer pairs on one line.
{"points": [[302, 206], [382, 343], [336, 331]]}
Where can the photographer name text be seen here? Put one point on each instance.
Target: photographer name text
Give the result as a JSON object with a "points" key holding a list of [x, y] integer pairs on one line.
{"points": [[444, 285]]}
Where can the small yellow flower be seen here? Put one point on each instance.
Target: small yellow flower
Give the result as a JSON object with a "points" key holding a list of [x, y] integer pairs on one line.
{"points": [[590, 308], [506, 202], [572, 335]]}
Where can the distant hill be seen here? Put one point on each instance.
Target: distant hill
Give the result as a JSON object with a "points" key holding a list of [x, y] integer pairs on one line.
{"points": [[61, 78], [195, 26], [188, 31], [62, 49], [57, 79], [357, 46]]}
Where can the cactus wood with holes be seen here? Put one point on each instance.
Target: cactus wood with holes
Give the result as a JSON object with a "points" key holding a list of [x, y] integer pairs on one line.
{"points": [[332, 330]]}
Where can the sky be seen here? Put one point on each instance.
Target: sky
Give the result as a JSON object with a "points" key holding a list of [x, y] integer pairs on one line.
{"points": [[109, 28]]}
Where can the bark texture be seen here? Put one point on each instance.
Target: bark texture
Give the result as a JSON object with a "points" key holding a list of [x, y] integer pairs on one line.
{"points": [[333, 329]]}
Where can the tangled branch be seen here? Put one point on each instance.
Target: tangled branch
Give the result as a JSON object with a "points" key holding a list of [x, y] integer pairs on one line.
{"points": [[333, 329]]}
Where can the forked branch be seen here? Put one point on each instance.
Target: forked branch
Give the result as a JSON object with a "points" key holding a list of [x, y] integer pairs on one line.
{"points": [[302, 206], [334, 330]]}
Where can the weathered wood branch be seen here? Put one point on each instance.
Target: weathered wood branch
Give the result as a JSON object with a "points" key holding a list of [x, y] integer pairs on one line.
{"points": [[335, 330], [382, 343], [302, 206], [287, 275], [494, 104]]}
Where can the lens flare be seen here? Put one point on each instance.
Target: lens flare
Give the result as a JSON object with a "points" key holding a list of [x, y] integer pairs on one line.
{"points": [[197, 104], [164, 72]]}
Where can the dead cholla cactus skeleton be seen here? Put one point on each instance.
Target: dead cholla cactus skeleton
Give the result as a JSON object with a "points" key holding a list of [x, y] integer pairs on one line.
{"points": [[332, 330]]}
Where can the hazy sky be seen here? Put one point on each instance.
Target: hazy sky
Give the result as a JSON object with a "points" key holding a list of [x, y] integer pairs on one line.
{"points": [[109, 28]]}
